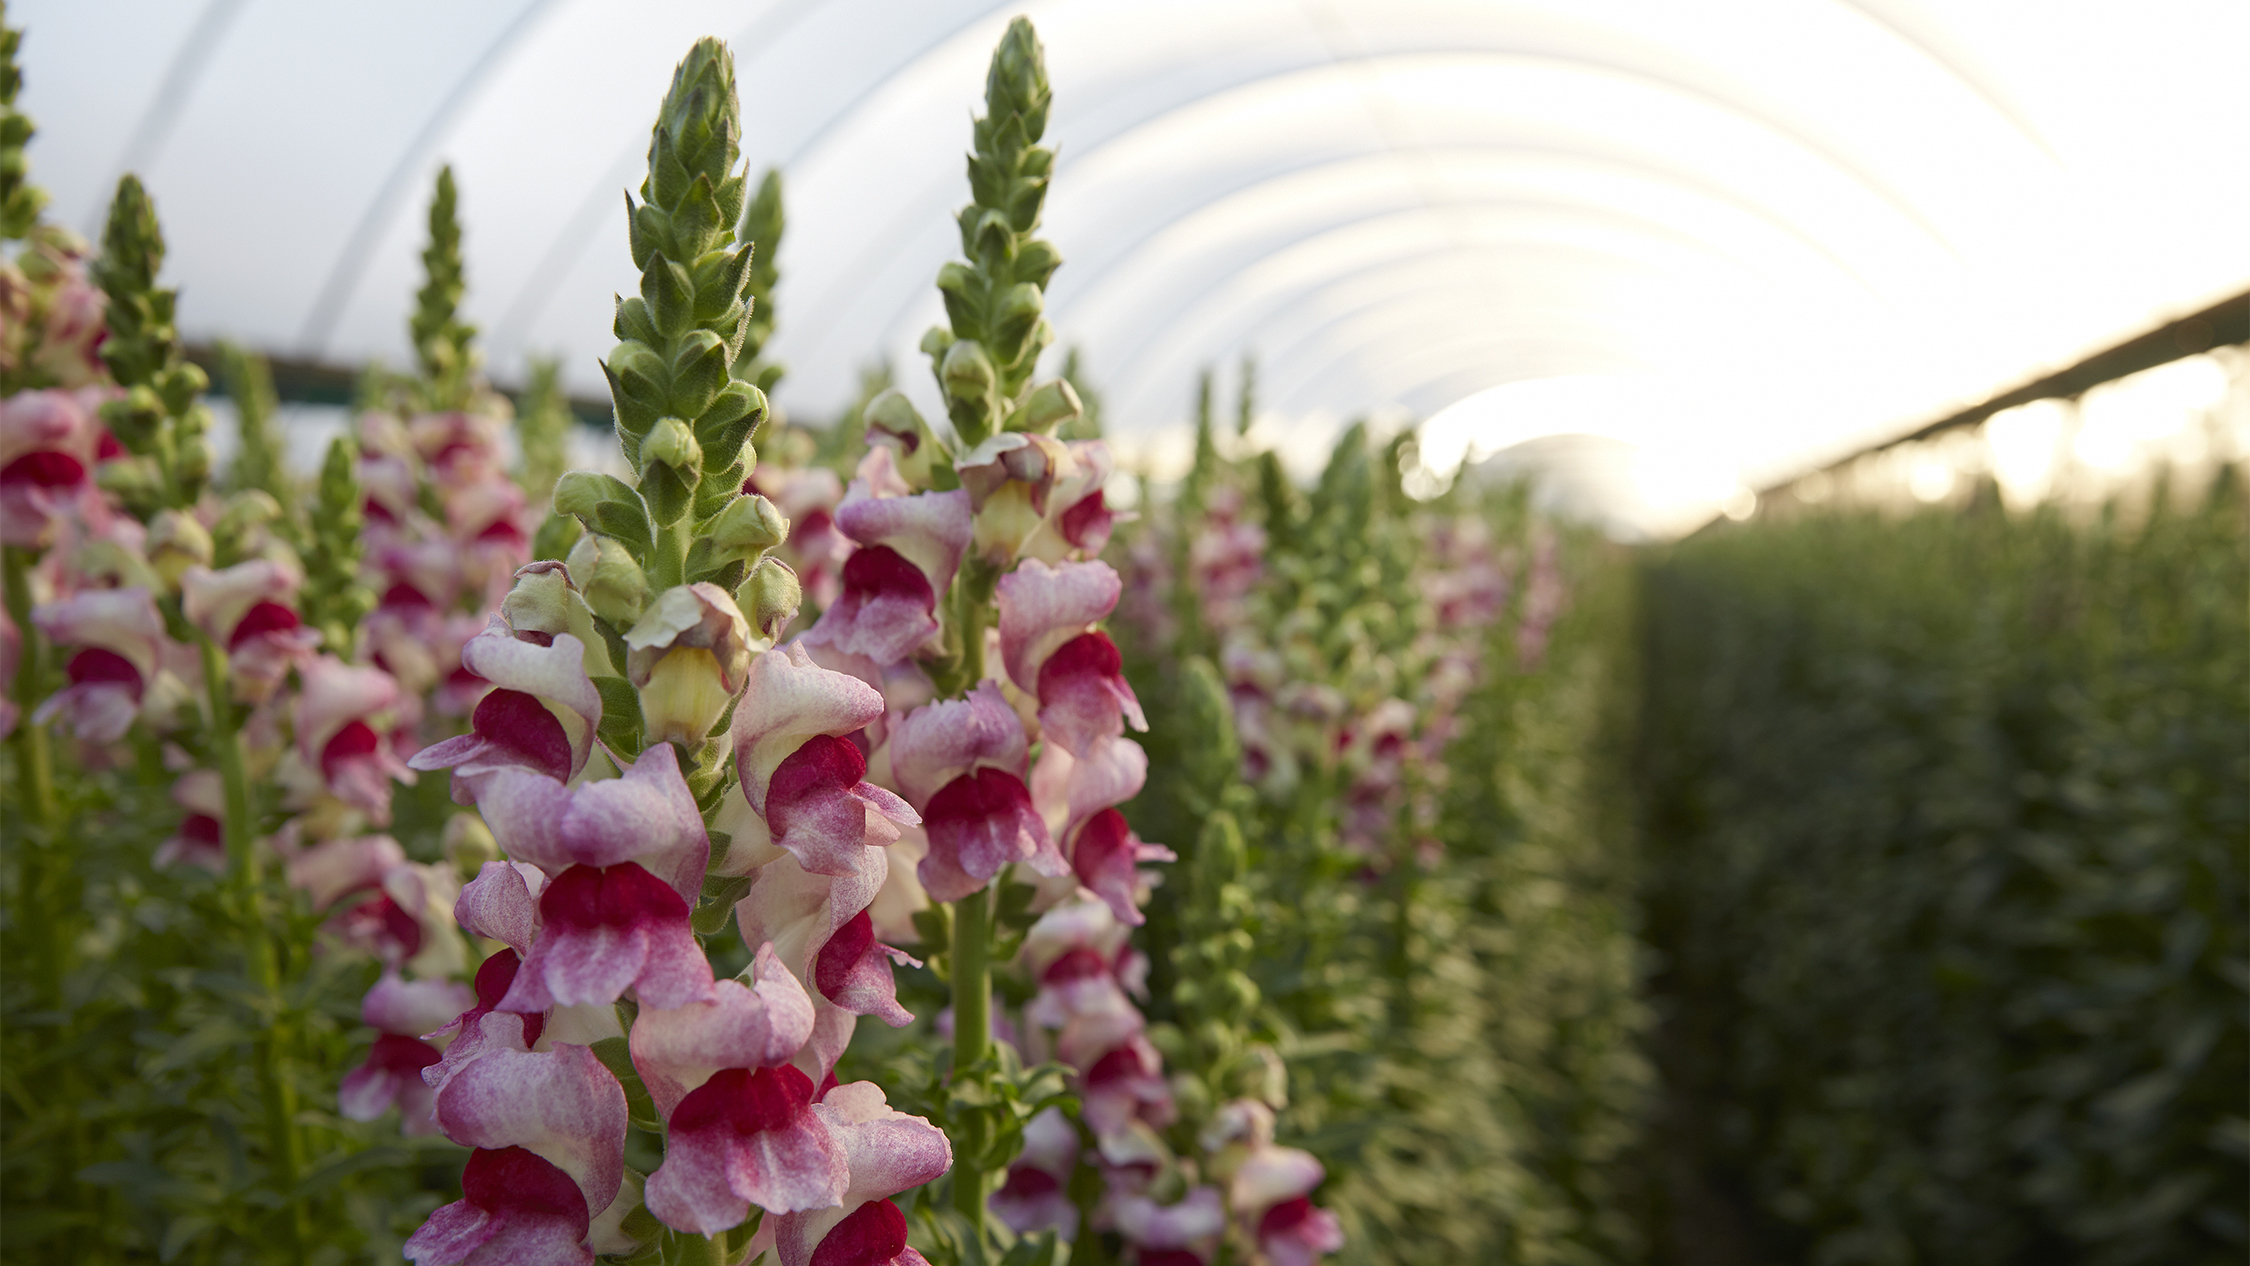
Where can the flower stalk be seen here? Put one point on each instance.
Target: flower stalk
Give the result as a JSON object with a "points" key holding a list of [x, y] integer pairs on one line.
{"points": [[972, 1045], [34, 763], [254, 915]]}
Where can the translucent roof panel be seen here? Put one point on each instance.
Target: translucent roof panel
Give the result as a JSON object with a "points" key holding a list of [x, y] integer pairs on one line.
{"points": [[1767, 231]]}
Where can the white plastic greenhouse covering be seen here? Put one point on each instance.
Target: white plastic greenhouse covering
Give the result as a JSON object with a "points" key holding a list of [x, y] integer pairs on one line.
{"points": [[1741, 236]]}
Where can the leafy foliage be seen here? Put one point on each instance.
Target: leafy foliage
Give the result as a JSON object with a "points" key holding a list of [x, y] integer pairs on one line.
{"points": [[1945, 823]]}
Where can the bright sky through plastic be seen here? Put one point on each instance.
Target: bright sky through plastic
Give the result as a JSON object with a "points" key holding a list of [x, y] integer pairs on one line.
{"points": [[1753, 235]]}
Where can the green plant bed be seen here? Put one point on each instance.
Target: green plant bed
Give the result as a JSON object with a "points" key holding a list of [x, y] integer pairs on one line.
{"points": [[1945, 832]]}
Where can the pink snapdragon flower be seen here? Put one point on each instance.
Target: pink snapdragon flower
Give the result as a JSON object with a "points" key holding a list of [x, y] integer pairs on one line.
{"points": [[120, 640], [250, 610], [1053, 651], [1225, 562], [549, 1133], [1185, 1233], [1070, 791], [408, 922], [485, 513], [885, 1152], [483, 1028], [343, 717], [415, 582], [910, 548], [1034, 1196], [401, 1011], [819, 928], [540, 714], [1079, 520], [1269, 1187], [1106, 856], [624, 859], [961, 763], [331, 870], [1081, 955], [1082, 958], [800, 772], [1120, 1073], [742, 1130], [49, 444], [201, 839]]}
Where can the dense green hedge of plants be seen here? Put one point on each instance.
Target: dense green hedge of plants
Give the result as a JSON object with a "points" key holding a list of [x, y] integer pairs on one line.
{"points": [[1946, 827]]}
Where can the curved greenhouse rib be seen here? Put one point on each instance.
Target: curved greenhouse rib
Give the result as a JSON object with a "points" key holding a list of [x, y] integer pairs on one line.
{"points": [[1219, 287], [165, 108], [892, 244], [351, 259], [577, 232]]}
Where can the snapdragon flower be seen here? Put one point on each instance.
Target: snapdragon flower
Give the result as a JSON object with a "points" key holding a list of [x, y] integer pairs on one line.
{"points": [[200, 840], [250, 611], [800, 772], [885, 1151], [549, 1132], [1054, 652], [962, 764], [624, 858], [50, 442], [742, 1131], [910, 547], [540, 713], [1034, 1196], [401, 1011], [119, 640], [343, 719]]}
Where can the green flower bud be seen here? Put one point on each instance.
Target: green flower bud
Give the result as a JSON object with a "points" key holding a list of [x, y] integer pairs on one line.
{"points": [[1264, 1076], [893, 420], [540, 600], [966, 370], [1047, 408], [176, 542], [672, 443], [613, 585], [770, 597], [748, 527]]}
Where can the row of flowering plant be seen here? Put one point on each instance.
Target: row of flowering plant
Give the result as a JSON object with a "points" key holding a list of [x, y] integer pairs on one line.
{"points": [[571, 821], [195, 738], [1425, 921]]}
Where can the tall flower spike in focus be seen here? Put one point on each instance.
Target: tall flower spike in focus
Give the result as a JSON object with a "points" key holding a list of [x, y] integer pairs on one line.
{"points": [[996, 301], [684, 419]]}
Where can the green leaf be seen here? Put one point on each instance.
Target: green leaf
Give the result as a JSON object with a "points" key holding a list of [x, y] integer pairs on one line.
{"points": [[621, 713]]}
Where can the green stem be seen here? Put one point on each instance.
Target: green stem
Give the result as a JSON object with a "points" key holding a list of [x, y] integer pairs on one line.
{"points": [[975, 599], [972, 1044], [669, 567], [43, 874], [275, 1086], [35, 771]]}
